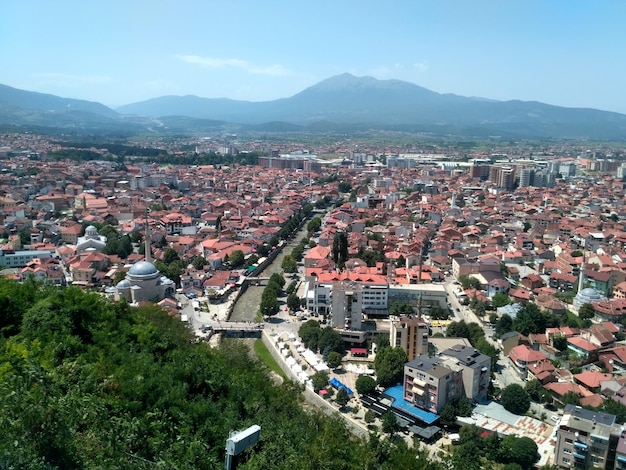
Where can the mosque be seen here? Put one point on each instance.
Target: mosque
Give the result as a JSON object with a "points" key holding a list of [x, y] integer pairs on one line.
{"points": [[586, 295], [144, 282]]}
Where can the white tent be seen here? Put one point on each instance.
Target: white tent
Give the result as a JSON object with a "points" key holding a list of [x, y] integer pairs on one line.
{"points": [[320, 367], [310, 357]]}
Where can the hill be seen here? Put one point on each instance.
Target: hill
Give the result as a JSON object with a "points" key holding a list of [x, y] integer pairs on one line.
{"points": [[89, 384]]}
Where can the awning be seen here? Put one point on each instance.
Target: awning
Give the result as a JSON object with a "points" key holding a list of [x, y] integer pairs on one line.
{"points": [[419, 391], [419, 382]]}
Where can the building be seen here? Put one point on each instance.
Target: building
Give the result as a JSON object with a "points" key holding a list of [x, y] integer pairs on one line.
{"points": [[476, 370], [410, 334], [429, 385], [91, 241], [432, 382], [586, 439], [144, 282], [20, 258]]}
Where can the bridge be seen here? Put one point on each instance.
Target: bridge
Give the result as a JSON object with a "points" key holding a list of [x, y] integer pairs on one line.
{"points": [[257, 280], [232, 328]]}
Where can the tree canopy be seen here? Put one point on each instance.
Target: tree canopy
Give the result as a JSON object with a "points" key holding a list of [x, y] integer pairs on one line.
{"points": [[515, 399], [389, 365], [86, 383]]}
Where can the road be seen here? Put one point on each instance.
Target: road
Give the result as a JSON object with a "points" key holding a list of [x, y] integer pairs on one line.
{"points": [[463, 312]]}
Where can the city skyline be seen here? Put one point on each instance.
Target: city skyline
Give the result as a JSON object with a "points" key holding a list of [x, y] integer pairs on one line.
{"points": [[562, 53]]}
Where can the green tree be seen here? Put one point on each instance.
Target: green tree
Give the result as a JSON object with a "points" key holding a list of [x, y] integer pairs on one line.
{"points": [[560, 342], [571, 398], [309, 333], [520, 450], [340, 249], [269, 305], [342, 397], [504, 325], [615, 408], [389, 365], [293, 301], [289, 264], [365, 384], [515, 399], [369, 417], [314, 224], [488, 349], [319, 380], [344, 187], [199, 262], [389, 423], [236, 259], [468, 282], [500, 300], [447, 416], [329, 340], [333, 360], [277, 279], [536, 391], [170, 255], [586, 312]]}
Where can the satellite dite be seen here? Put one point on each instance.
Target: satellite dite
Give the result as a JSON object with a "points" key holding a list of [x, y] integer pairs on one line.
{"points": [[238, 442]]}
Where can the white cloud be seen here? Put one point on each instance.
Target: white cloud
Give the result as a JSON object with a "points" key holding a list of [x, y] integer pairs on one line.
{"points": [[421, 67], [214, 62]]}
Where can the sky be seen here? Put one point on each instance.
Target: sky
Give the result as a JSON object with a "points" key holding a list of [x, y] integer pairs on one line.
{"points": [[562, 52]]}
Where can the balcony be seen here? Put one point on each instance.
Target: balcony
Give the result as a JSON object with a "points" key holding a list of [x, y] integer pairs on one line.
{"points": [[581, 446], [579, 456]]}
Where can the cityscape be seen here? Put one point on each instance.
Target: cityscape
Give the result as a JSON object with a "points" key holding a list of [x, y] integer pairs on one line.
{"points": [[491, 267]]}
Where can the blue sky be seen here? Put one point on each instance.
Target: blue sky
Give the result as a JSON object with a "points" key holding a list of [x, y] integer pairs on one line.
{"points": [[562, 52]]}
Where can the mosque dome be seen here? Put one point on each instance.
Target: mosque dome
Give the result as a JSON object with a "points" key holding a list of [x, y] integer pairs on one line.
{"points": [[91, 232], [143, 269], [123, 284], [587, 296]]}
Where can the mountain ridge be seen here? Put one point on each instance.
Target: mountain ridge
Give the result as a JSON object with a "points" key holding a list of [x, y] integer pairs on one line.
{"points": [[345, 101]]}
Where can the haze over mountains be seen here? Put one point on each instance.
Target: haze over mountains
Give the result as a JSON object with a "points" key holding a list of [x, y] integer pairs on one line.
{"points": [[342, 103]]}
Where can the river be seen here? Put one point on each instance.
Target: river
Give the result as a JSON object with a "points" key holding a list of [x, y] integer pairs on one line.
{"points": [[247, 306]]}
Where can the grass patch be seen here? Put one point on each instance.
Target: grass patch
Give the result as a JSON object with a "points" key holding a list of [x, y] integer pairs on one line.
{"points": [[266, 358]]}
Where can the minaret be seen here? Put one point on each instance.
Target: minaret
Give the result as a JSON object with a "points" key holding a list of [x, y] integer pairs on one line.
{"points": [[581, 275], [147, 243]]}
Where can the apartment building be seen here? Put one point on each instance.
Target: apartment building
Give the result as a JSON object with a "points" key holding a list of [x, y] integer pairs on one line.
{"points": [[476, 370], [587, 439], [429, 385], [432, 382], [410, 334]]}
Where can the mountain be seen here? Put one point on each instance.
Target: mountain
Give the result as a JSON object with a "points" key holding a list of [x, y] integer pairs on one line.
{"points": [[29, 108], [395, 104], [343, 103]]}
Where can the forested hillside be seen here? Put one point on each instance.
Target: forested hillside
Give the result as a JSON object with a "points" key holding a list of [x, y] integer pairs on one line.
{"points": [[89, 384]]}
